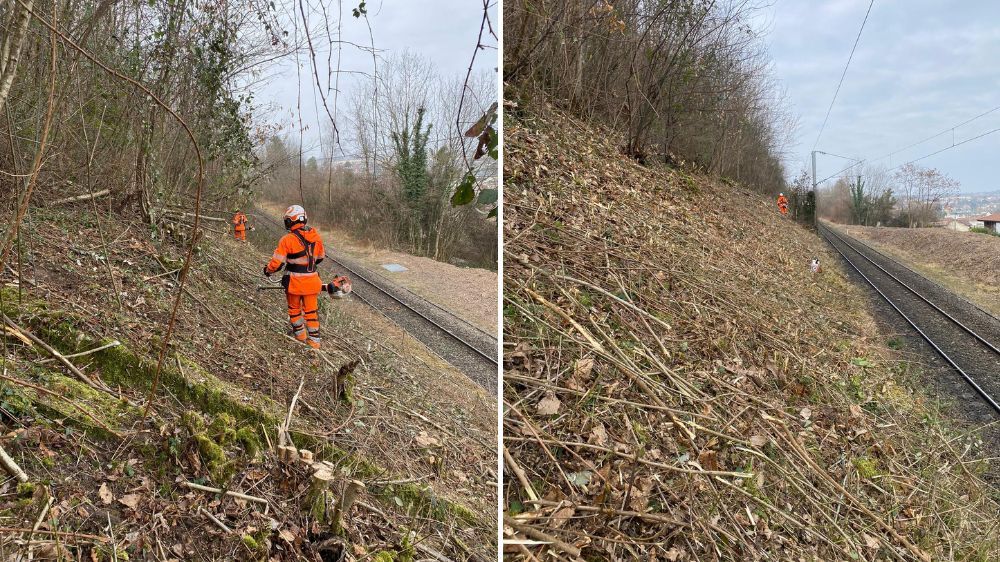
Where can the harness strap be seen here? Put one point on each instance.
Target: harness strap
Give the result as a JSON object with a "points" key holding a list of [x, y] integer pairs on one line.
{"points": [[308, 251]]}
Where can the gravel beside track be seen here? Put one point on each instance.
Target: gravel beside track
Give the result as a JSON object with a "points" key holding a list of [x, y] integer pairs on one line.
{"points": [[973, 355], [469, 349]]}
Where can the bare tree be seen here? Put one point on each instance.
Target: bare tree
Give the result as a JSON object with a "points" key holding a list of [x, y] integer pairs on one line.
{"points": [[924, 192], [13, 42], [684, 79]]}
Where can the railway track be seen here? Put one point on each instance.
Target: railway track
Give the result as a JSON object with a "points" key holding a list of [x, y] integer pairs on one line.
{"points": [[464, 346], [964, 337], [468, 348]]}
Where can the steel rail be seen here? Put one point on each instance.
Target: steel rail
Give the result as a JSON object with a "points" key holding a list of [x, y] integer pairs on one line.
{"points": [[915, 292], [414, 310], [989, 399], [902, 265]]}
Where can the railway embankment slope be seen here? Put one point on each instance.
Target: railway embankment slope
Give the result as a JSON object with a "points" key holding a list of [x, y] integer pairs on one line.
{"points": [[678, 384], [417, 433]]}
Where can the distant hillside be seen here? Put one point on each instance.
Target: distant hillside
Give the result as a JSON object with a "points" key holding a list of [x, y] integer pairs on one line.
{"points": [[679, 386], [971, 204]]}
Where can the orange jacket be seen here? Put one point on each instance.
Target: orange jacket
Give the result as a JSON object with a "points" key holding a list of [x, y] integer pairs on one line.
{"points": [[239, 221], [300, 260], [782, 201]]}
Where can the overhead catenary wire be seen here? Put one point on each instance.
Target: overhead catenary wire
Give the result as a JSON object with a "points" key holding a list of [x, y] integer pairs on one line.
{"points": [[936, 152], [843, 74], [835, 155], [919, 142]]}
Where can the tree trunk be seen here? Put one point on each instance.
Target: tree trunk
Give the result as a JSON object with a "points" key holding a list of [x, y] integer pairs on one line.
{"points": [[11, 50]]}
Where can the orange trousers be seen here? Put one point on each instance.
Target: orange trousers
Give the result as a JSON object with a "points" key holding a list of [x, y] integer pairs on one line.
{"points": [[240, 234], [303, 314]]}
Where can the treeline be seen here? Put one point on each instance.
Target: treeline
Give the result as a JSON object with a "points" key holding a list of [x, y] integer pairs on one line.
{"points": [[912, 196], [802, 200], [110, 98], [121, 104], [683, 79], [390, 179]]}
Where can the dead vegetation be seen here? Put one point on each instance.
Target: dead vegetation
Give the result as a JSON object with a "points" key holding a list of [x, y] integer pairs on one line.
{"points": [[417, 435], [679, 386]]}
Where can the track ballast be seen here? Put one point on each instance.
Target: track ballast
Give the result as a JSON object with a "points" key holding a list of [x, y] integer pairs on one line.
{"points": [[966, 338]]}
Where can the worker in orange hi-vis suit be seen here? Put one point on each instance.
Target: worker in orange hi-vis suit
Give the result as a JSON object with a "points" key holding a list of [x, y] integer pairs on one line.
{"points": [[783, 203], [299, 252], [240, 225]]}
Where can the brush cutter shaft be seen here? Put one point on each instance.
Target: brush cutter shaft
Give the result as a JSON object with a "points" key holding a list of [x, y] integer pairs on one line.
{"points": [[338, 288]]}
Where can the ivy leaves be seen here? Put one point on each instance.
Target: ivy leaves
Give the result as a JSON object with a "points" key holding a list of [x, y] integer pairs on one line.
{"points": [[485, 130], [361, 10]]}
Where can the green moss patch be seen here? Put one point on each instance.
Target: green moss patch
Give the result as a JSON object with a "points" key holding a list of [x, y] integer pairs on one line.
{"points": [[233, 420]]}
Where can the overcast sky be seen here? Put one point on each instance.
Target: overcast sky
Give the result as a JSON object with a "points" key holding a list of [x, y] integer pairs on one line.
{"points": [[921, 66], [444, 31]]}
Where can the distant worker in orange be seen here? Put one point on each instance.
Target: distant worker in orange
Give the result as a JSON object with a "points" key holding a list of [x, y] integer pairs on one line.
{"points": [[299, 252], [240, 226], [782, 203]]}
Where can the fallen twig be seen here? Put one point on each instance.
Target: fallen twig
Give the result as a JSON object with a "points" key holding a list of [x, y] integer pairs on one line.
{"points": [[62, 358], [431, 552], [115, 343], [565, 547], [158, 275], [11, 467], [84, 197], [38, 523], [19, 530], [212, 518], [519, 473], [239, 495]]}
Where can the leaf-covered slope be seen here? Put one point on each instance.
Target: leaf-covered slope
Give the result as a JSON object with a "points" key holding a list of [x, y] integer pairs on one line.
{"points": [[679, 386], [418, 433]]}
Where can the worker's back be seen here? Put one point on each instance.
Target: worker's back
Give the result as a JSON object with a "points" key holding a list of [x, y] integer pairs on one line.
{"points": [[301, 256]]}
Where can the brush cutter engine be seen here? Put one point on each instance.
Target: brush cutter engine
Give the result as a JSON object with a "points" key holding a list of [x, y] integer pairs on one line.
{"points": [[339, 287]]}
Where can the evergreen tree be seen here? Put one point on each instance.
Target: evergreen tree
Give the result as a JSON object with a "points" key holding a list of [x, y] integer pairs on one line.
{"points": [[859, 204], [410, 146]]}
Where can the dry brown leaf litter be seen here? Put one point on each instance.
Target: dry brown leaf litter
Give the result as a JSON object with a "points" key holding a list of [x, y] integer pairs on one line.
{"points": [[679, 386], [426, 424]]}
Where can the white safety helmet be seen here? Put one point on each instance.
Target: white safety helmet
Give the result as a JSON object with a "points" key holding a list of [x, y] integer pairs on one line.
{"points": [[294, 214], [779, 195]]}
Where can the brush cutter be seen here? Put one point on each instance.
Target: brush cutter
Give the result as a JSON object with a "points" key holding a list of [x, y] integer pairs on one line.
{"points": [[338, 288]]}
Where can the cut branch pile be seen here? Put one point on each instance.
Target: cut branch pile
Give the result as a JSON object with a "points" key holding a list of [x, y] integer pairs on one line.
{"points": [[678, 386]]}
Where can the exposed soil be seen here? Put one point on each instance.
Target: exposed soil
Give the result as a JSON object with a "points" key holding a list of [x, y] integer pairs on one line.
{"points": [[468, 292]]}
